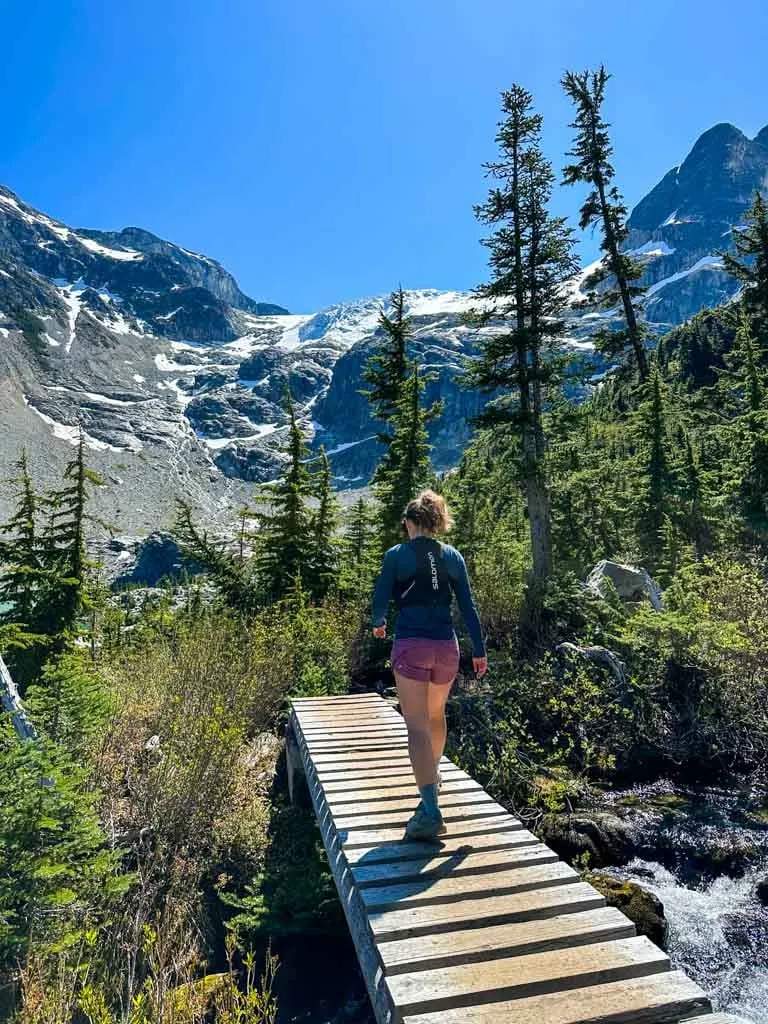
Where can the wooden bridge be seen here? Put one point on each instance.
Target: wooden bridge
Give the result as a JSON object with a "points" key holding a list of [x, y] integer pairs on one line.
{"points": [[483, 926]]}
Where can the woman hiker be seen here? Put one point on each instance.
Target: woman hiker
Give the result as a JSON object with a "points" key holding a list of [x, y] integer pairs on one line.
{"points": [[421, 575]]}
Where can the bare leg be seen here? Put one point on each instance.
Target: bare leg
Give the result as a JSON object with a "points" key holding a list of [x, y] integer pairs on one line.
{"points": [[414, 703], [437, 698]]}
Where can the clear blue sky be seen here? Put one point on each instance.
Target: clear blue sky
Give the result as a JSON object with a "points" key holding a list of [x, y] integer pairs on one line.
{"points": [[329, 149]]}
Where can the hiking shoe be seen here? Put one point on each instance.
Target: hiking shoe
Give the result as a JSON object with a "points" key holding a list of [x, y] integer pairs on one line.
{"points": [[424, 825]]}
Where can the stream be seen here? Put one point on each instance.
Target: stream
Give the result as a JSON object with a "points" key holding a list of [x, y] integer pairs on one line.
{"points": [[703, 852]]}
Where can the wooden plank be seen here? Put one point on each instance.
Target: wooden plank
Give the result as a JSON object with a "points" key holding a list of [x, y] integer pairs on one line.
{"points": [[521, 906], [381, 819], [348, 759], [381, 755], [475, 945], [381, 836], [340, 700], [448, 800], [353, 781], [660, 999], [362, 729], [461, 862], [456, 888], [393, 742], [374, 793], [521, 977], [447, 846]]}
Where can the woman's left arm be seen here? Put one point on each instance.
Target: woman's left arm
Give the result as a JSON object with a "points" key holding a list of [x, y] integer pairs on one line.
{"points": [[383, 590]]}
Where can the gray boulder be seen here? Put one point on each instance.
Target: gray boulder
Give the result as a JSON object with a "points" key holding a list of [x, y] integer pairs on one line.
{"points": [[631, 582]]}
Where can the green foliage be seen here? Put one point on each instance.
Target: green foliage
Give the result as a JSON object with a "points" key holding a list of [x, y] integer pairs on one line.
{"points": [[387, 368], [56, 870], [284, 540], [750, 264], [405, 467], [295, 894], [322, 571]]}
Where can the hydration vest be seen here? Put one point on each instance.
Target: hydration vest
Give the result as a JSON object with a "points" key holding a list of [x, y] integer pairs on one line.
{"points": [[430, 585]]}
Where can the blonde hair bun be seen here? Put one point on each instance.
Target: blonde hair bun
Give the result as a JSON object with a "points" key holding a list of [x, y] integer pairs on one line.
{"points": [[430, 512]]}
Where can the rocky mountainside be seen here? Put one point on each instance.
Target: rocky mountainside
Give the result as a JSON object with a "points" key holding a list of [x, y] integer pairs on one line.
{"points": [[177, 377]]}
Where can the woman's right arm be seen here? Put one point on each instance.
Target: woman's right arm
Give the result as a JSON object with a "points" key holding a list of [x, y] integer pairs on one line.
{"points": [[383, 590]]}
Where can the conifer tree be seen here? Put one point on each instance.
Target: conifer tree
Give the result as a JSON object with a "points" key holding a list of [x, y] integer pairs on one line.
{"points": [[655, 470], [323, 561], [406, 465], [20, 564], [284, 539], [751, 269], [360, 551], [64, 544], [229, 572], [531, 255], [387, 367], [604, 208], [743, 387]]}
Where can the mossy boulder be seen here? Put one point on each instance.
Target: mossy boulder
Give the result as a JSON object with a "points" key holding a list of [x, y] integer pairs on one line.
{"points": [[596, 839], [645, 910]]}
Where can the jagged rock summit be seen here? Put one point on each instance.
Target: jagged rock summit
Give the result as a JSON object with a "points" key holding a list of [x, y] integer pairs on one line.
{"points": [[688, 219], [177, 377]]}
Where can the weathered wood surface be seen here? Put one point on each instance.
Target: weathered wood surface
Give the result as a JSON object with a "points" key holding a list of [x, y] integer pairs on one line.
{"points": [[483, 926]]}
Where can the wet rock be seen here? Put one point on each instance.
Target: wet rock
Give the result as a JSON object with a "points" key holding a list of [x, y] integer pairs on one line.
{"points": [[645, 910], [762, 892], [602, 838]]}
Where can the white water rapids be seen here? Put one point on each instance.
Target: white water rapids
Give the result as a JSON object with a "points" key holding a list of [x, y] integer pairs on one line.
{"points": [[718, 935]]}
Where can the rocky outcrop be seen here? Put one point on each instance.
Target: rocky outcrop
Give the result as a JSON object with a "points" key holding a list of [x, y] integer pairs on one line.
{"points": [[598, 837], [630, 583], [153, 561], [645, 910]]}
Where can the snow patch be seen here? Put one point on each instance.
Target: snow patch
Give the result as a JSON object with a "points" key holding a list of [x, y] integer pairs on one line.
{"points": [[705, 263], [65, 432], [138, 378], [652, 249], [103, 250]]}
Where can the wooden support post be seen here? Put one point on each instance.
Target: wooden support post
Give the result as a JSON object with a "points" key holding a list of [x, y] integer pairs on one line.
{"points": [[297, 781]]}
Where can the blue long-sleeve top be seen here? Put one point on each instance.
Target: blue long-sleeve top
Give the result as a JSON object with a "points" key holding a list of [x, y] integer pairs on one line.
{"points": [[432, 623]]}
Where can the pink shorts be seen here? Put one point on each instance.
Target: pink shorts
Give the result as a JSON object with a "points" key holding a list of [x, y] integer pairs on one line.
{"points": [[427, 661]]}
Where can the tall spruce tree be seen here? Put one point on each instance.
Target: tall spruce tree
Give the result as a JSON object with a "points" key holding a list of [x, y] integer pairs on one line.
{"points": [[405, 467], [656, 475], [21, 569], [750, 265], [743, 389], [323, 560], [360, 551], [604, 208], [284, 541], [387, 367], [64, 545], [531, 255]]}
